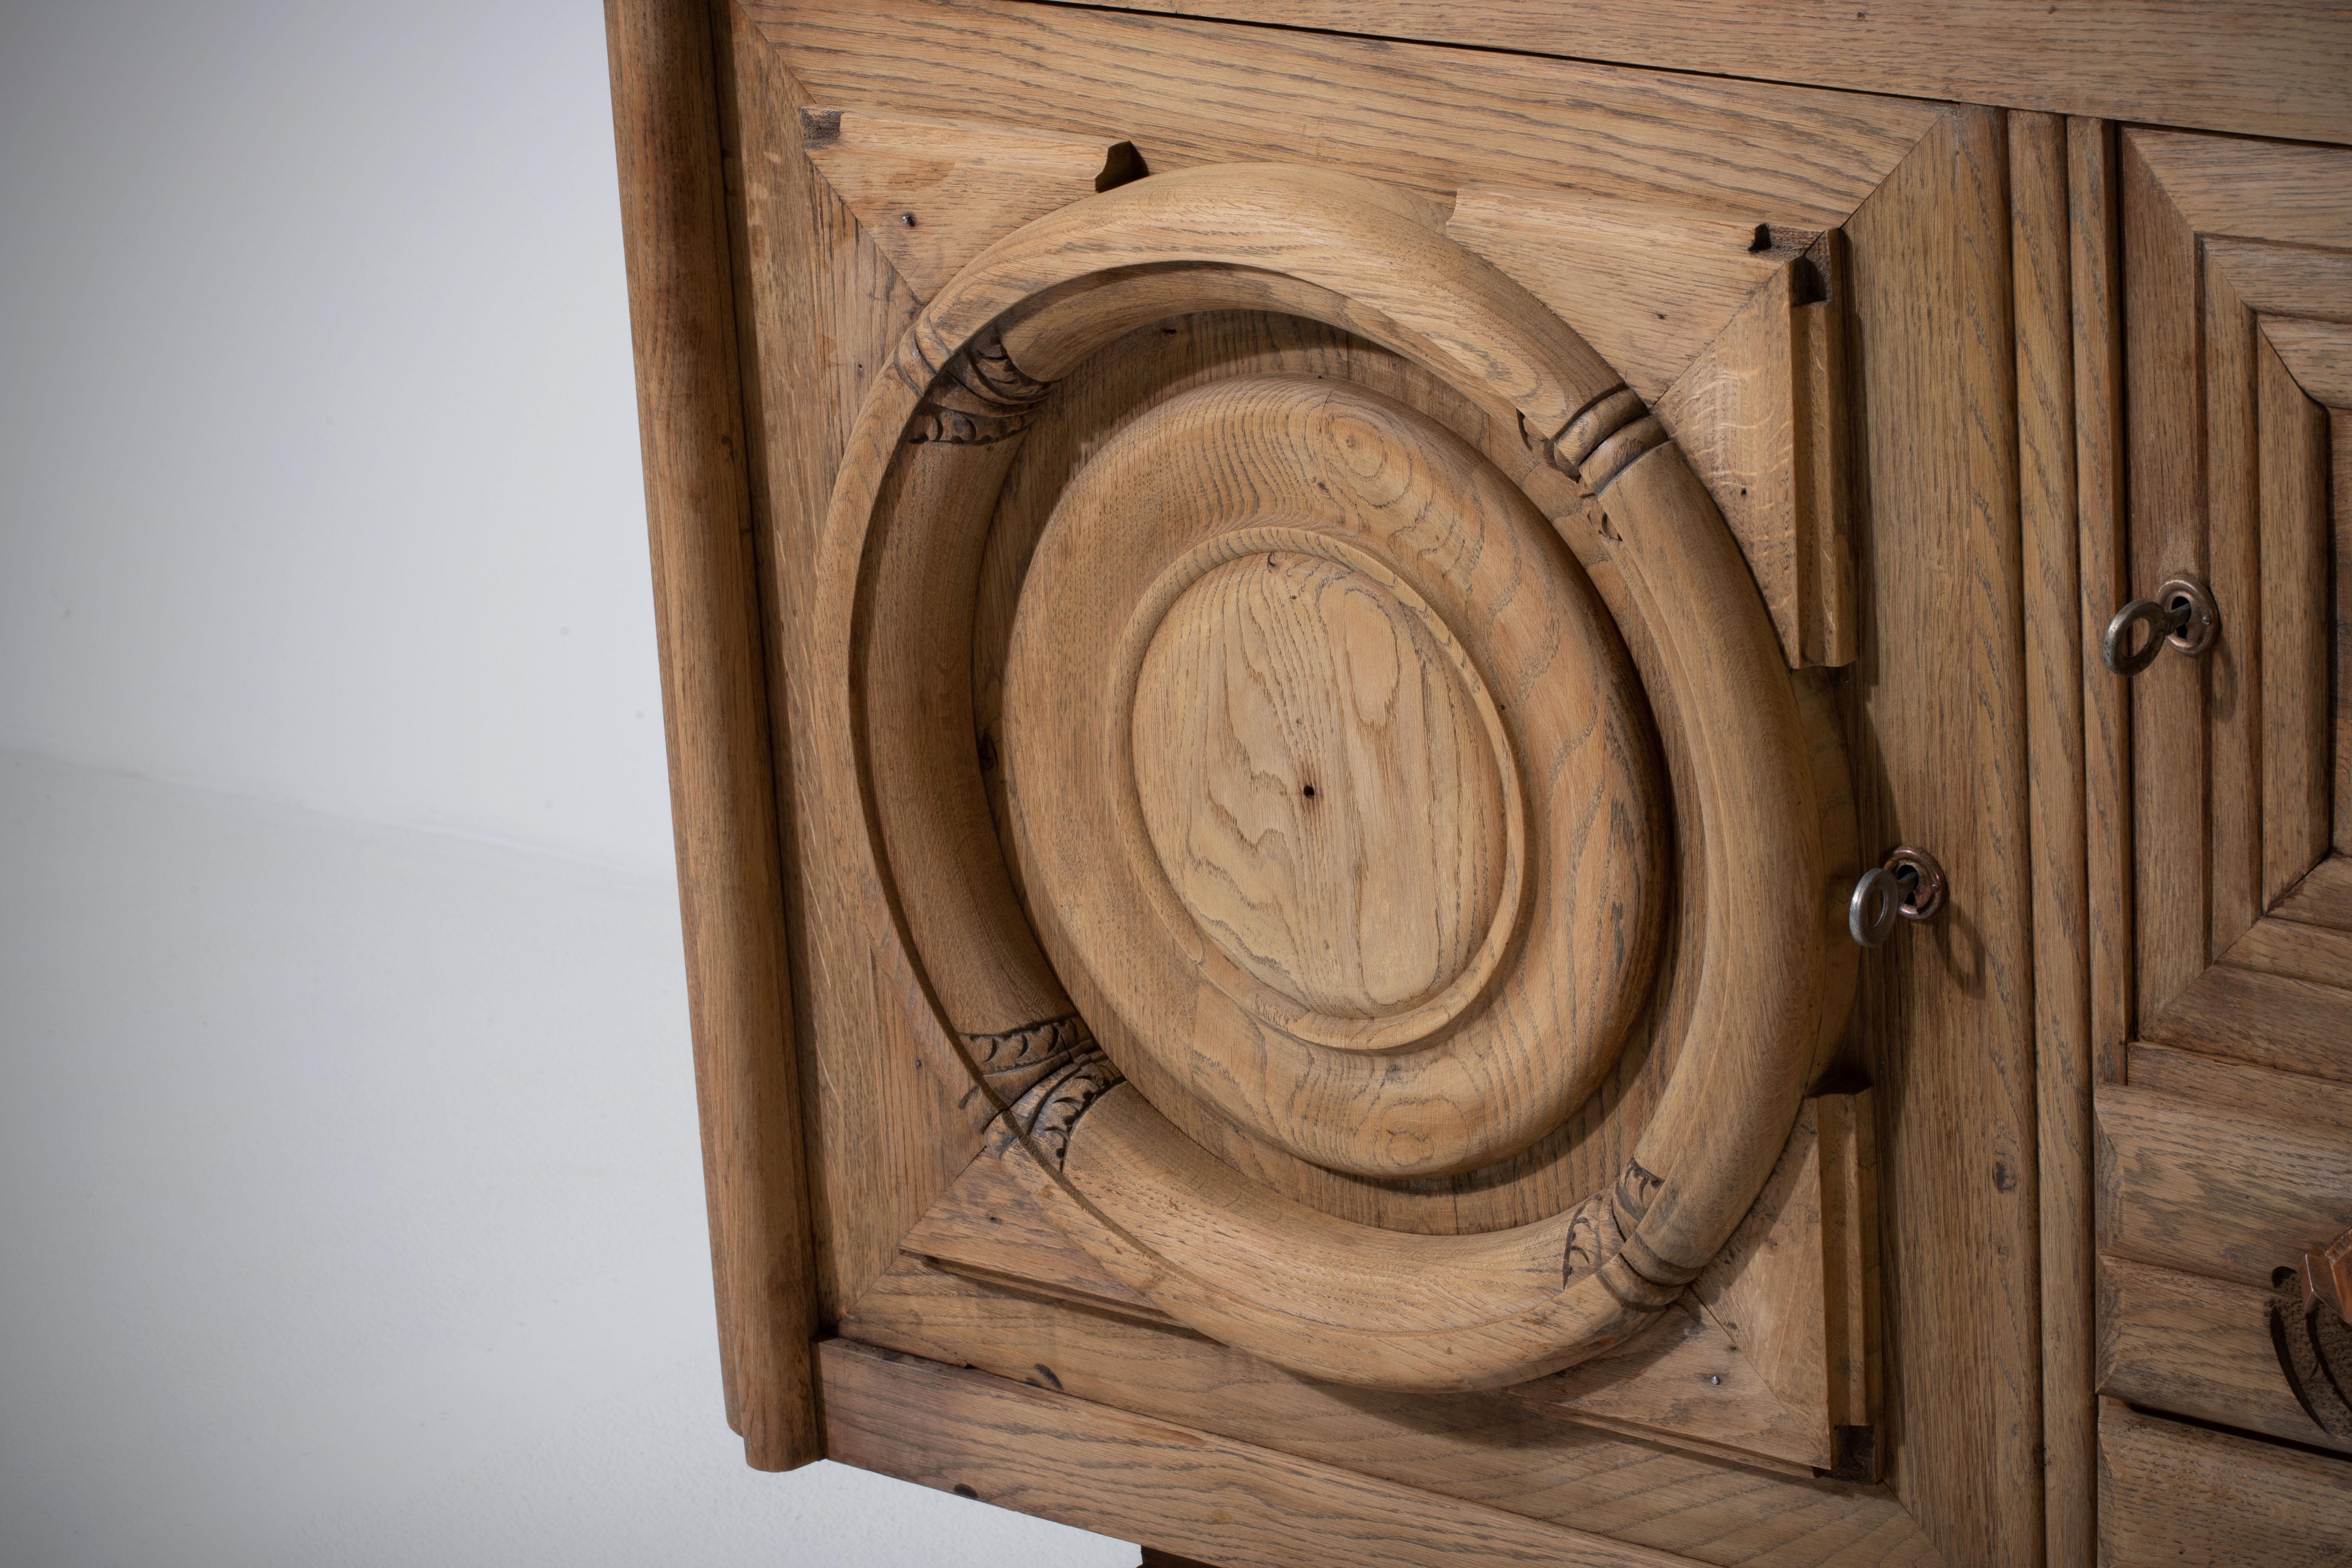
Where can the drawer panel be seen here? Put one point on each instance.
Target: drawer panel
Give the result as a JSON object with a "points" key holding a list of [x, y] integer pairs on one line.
{"points": [[2172, 1493], [2215, 1190], [2196, 1347]]}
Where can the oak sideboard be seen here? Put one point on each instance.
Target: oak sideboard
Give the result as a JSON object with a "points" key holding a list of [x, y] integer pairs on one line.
{"points": [[1510, 782]]}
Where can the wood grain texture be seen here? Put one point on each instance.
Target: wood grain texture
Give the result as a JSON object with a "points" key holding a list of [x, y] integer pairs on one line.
{"points": [[1647, 286], [1682, 1381], [2323, 899], [933, 193], [2197, 1347], [2041, 264], [2232, 668], [1113, 1472], [891, 1118], [2281, 1095], [715, 719], [1821, 391], [2094, 246], [2271, 1020], [2298, 728], [2269, 191], [1168, 358], [2286, 280], [2174, 1493], [2275, 69], [2339, 445], [1498, 1449], [1433, 118], [1795, 1289], [1258, 820], [1940, 744], [1371, 258], [1790, 1305], [1734, 413], [1335, 813], [2318, 355], [2164, 399], [2216, 1189]]}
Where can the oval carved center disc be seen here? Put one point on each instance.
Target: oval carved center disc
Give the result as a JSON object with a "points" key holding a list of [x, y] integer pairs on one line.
{"points": [[1318, 784]]}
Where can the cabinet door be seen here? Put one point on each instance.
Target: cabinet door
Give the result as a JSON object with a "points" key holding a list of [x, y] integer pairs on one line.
{"points": [[2225, 1152], [1341, 621]]}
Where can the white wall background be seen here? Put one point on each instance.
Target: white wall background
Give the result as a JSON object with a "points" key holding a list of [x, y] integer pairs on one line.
{"points": [[317, 430], [350, 1206]]}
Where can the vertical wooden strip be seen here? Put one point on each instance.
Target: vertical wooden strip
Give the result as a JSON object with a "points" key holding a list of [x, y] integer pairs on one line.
{"points": [[2340, 445], [2040, 262], [2233, 679], [1940, 738], [2296, 614], [2093, 241], [1824, 456], [2164, 403], [714, 705]]}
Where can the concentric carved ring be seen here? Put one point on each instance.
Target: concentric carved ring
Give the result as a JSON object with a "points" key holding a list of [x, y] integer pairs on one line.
{"points": [[1272, 587], [1236, 1015]]}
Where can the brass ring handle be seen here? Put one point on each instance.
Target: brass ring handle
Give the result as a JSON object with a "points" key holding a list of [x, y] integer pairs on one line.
{"points": [[2181, 617]]}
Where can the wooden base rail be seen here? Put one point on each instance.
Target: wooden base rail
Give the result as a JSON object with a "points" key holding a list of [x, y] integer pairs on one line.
{"points": [[1226, 1502]]}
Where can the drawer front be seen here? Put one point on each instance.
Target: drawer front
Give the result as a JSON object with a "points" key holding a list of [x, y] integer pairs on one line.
{"points": [[2173, 1493]]}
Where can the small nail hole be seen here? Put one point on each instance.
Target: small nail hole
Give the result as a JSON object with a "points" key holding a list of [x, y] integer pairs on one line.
{"points": [[1308, 791]]}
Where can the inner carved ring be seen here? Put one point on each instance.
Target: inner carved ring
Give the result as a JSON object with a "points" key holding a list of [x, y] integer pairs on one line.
{"points": [[1523, 992], [1325, 785]]}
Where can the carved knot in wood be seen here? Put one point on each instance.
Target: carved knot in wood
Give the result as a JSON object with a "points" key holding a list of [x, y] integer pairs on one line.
{"points": [[1601, 1240], [1602, 440], [1048, 1114], [980, 395], [1030, 1045]]}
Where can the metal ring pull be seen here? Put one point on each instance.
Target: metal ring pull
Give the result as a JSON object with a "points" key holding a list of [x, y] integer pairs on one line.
{"points": [[2182, 617], [1870, 917], [1909, 885]]}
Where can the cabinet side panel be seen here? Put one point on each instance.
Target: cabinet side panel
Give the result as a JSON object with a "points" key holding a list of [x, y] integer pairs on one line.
{"points": [[714, 705]]}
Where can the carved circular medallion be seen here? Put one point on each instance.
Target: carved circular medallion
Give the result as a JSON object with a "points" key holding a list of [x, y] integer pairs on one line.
{"points": [[1172, 691], [1220, 612], [1322, 779]]}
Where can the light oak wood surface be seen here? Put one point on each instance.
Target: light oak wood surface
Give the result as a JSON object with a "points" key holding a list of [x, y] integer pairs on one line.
{"points": [[2040, 264], [715, 719], [1948, 1022], [1524, 1455], [1377, 253], [933, 193], [825, 308], [1106, 1471], [1433, 118], [1310, 823], [2278, 68], [2217, 1190]]}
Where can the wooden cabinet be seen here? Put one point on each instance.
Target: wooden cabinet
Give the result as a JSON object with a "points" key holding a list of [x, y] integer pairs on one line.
{"points": [[1288, 657]]}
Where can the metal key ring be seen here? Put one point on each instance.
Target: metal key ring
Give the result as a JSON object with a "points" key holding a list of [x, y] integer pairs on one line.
{"points": [[1877, 900], [2159, 622]]}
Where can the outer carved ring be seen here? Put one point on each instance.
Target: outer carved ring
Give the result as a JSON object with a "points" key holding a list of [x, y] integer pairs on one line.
{"points": [[902, 543]]}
